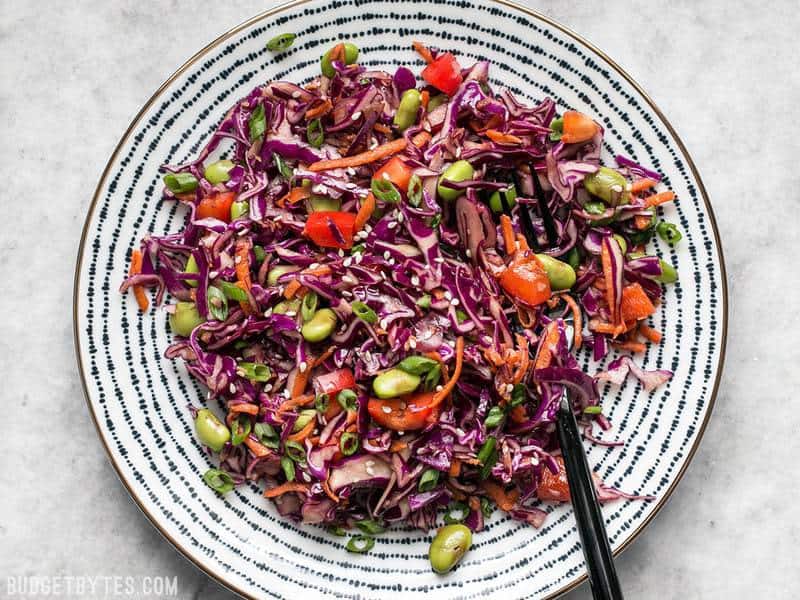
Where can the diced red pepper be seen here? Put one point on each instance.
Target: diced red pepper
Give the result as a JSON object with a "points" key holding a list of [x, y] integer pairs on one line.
{"points": [[217, 206], [407, 413], [396, 171], [444, 73], [322, 227], [554, 488], [334, 382], [526, 280]]}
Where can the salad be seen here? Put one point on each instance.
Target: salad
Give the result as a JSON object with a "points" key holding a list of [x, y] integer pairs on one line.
{"points": [[374, 282]]}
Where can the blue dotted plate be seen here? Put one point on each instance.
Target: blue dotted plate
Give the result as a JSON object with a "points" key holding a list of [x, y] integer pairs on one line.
{"points": [[138, 398]]}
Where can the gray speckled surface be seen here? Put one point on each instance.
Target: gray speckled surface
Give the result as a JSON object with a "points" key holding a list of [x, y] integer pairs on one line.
{"points": [[74, 74]]}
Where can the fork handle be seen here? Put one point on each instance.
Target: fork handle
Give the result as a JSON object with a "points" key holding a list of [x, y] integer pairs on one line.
{"points": [[594, 540]]}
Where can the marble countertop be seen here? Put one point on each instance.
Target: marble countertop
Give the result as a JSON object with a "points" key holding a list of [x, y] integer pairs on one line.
{"points": [[74, 75]]}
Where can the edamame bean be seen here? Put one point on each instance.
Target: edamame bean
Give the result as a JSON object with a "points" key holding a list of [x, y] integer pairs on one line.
{"points": [[449, 546], [460, 170], [218, 172], [240, 209], [350, 57], [394, 382], [318, 203], [277, 272], [319, 327], [303, 419], [669, 274], [496, 202], [560, 274], [185, 318], [623, 245], [287, 306], [191, 267], [608, 185], [211, 431], [406, 114], [436, 101]]}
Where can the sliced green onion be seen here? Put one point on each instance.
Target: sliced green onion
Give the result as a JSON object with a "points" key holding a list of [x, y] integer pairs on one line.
{"points": [[219, 481], [556, 129], [364, 312], [417, 365], [257, 123], [287, 464], [488, 456], [669, 232], [267, 435], [180, 183], [573, 258], [322, 402], [370, 526], [456, 513], [428, 481], [486, 508], [593, 410], [594, 207], [281, 42], [240, 429], [232, 292], [217, 303], [518, 394], [432, 378], [295, 451], [315, 133], [254, 371], [360, 544], [494, 417], [385, 191], [414, 192], [349, 443], [309, 305], [303, 419], [285, 170], [461, 316], [435, 220], [424, 301], [347, 399], [358, 248], [259, 251], [337, 530]]}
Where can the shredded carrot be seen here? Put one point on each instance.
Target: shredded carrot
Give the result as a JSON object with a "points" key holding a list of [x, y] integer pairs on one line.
{"points": [[304, 432], [243, 407], [319, 110], [398, 445], [455, 468], [422, 51], [323, 357], [577, 321], [661, 198], [138, 291], [242, 262], [364, 212], [334, 408], [607, 328], [518, 414], [522, 243], [632, 346], [365, 158], [294, 195], [381, 128], [502, 138], [642, 221], [285, 488], [649, 333], [337, 53], [608, 276], [448, 387], [329, 492], [641, 185], [508, 234], [524, 359], [291, 289], [292, 403], [256, 447], [425, 97], [319, 271], [551, 337], [422, 138], [300, 382], [504, 500]]}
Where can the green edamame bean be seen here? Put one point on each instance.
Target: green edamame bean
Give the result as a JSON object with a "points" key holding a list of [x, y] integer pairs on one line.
{"points": [[304, 418], [460, 170], [218, 172], [350, 57], [436, 102], [623, 245], [211, 431], [406, 114], [560, 274], [185, 318], [496, 203], [277, 272], [318, 203], [573, 258], [320, 326], [287, 306], [394, 382], [669, 274], [449, 546], [240, 209], [608, 185], [191, 267]]}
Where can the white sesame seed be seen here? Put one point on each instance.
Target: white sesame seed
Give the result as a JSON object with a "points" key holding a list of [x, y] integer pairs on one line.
{"points": [[286, 393], [341, 253], [370, 470], [455, 302], [616, 188], [237, 260], [412, 343], [296, 94], [414, 280], [400, 217], [373, 143], [468, 252], [384, 323], [347, 294], [386, 409], [392, 225], [628, 187], [349, 279], [385, 175], [350, 171], [458, 152], [359, 257], [438, 259], [208, 396], [383, 276], [391, 262], [448, 294], [367, 228], [268, 312], [313, 266], [267, 387], [370, 463], [232, 388], [459, 431], [303, 366], [439, 388], [356, 116], [387, 255], [291, 313], [347, 261], [214, 274], [451, 343]]}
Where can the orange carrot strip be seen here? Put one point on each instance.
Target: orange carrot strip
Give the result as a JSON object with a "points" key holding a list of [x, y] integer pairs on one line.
{"points": [[318, 271], [337, 53], [422, 51], [660, 198], [329, 492], [364, 212], [518, 414], [455, 468], [522, 243], [398, 445], [242, 262], [649, 333], [508, 234], [632, 346], [641, 185], [300, 382], [334, 408], [502, 138], [256, 447], [448, 387], [291, 289], [294, 195], [524, 359], [551, 338], [425, 97], [320, 110], [642, 221], [292, 403], [285, 488], [243, 407], [138, 291], [364, 158], [577, 322], [422, 138], [607, 328], [504, 500], [304, 432], [608, 276], [381, 128]]}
